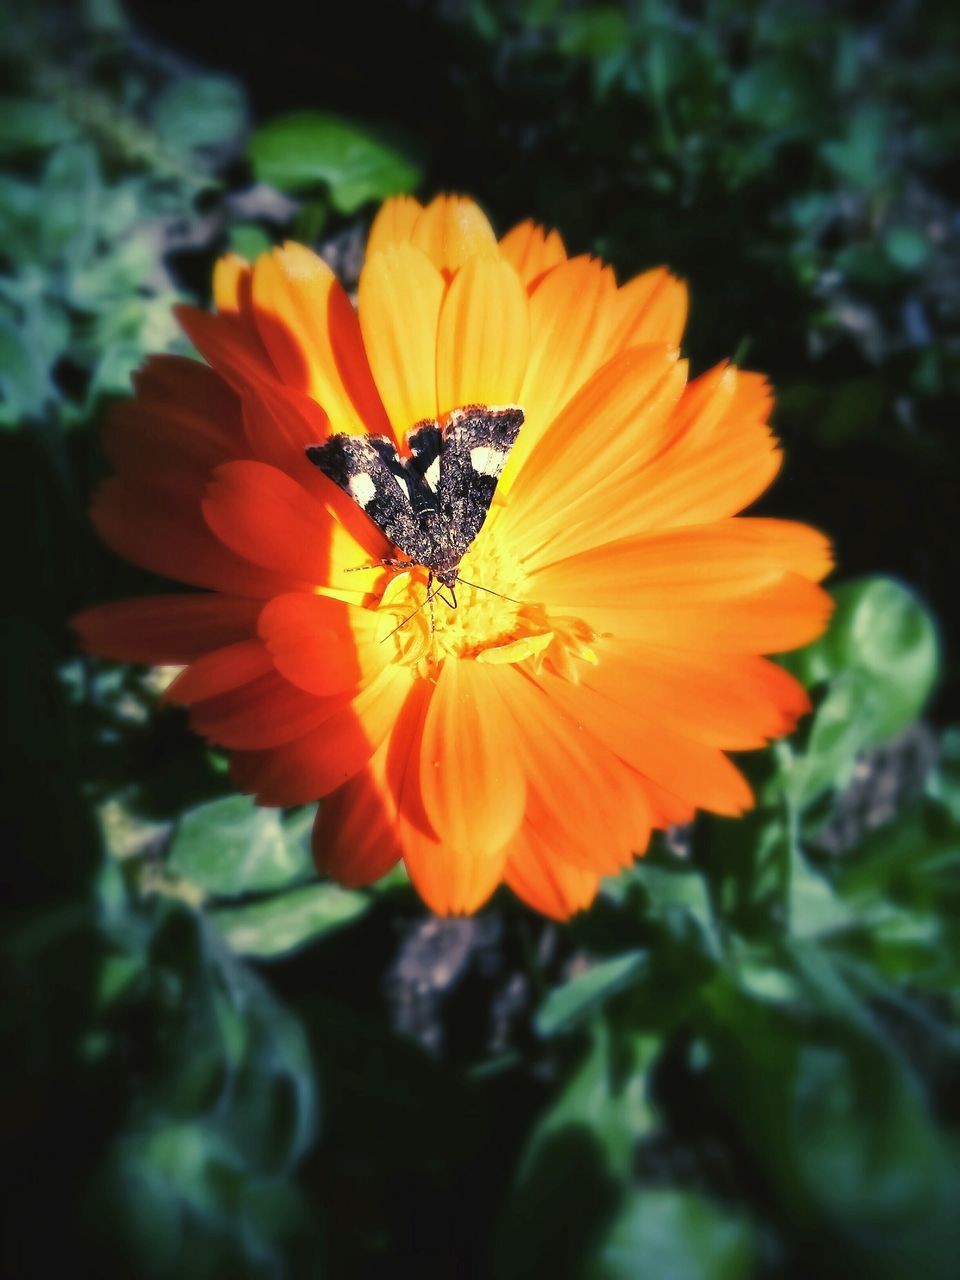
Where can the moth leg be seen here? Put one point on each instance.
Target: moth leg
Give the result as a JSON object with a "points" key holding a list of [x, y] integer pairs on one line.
{"points": [[381, 564], [428, 600]]}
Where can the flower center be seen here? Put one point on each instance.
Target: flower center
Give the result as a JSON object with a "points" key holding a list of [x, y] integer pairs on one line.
{"points": [[493, 622]]}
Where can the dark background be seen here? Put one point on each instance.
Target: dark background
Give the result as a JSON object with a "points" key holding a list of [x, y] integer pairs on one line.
{"points": [[744, 1060]]}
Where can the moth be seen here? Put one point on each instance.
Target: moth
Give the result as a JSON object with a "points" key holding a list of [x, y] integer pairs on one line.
{"points": [[430, 504]]}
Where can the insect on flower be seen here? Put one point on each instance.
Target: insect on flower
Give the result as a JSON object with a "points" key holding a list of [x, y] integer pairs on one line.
{"points": [[432, 504], [493, 414]]}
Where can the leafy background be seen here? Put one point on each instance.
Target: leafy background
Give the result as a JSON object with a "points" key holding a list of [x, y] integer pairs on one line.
{"points": [[745, 1059]]}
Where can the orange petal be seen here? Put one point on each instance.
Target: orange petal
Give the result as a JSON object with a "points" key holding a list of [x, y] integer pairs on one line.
{"points": [[355, 832], [783, 615], [681, 567], [323, 646], [220, 671], [574, 785], [652, 308], [324, 759], [228, 343], [265, 516], [169, 537], [483, 336], [736, 702], [265, 712], [399, 300], [311, 331], [178, 387], [611, 427], [166, 629], [452, 229], [393, 224], [722, 457], [532, 252], [471, 776], [279, 423], [555, 888], [450, 881], [701, 774]]}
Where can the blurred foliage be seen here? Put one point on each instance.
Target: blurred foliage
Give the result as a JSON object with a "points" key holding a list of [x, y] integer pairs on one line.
{"points": [[745, 1060]]}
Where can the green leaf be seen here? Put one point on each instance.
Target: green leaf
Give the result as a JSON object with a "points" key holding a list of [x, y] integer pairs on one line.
{"points": [[906, 248], [859, 158], [815, 907], [200, 111], [568, 1006], [880, 658], [25, 386], [594, 33], [607, 1095], [289, 920], [70, 200], [298, 152], [660, 1232], [249, 240], [28, 124], [230, 847]]}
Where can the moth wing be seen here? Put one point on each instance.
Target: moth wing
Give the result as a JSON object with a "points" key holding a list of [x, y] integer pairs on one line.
{"points": [[369, 469], [425, 443], [476, 445]]}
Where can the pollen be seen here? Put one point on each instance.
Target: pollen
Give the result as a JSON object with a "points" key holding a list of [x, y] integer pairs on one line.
{"points": [[493, 622]]}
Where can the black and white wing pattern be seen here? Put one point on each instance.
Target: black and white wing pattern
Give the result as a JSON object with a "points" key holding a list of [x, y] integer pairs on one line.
{"points": [[369, 469], [425, 443], [433, 504], [476, 444]]}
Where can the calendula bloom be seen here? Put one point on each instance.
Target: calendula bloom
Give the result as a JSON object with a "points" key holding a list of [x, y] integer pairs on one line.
{"points": [[533, 736]]}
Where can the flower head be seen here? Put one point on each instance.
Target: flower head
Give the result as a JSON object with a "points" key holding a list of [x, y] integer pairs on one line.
{"points": [[587, 688]]}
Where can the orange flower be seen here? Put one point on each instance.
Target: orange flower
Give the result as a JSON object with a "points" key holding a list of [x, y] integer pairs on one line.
{"points": [[534, 737]]}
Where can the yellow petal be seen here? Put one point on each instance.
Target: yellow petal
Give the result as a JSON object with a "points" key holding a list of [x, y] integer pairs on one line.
{"points": [[483, 337], [400, 296], [394, 224], [230, 274], [532, 251], [452, 229], [313, 336]]}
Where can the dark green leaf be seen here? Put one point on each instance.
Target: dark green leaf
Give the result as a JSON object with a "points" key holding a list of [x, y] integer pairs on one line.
{"points": [[26, 123]]}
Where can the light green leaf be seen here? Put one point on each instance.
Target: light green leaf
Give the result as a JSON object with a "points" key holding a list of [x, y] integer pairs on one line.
{"points": [[880, 656], [289, 920], [230, 847], [662, 1233], [200, 111], [568, 1006], [815, 907], [306, 150]]}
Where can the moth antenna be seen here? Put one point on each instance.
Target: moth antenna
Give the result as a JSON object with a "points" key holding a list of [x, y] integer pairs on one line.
{"points": [[489, 590], [403, 622]]}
